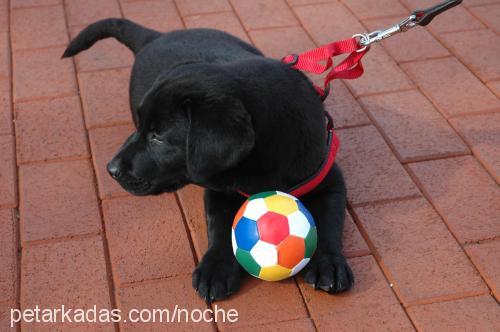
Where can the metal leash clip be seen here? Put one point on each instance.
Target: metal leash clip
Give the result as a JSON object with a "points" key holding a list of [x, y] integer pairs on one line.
{"points": [[418, 17]]}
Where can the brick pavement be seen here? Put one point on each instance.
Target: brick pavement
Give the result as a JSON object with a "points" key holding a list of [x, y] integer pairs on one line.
{"points": [[421, 137]]}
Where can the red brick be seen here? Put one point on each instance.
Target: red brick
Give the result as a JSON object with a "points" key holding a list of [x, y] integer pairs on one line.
{"points": [[192, 7], [489, 14], [307, 2], [482, 132], [402, 233], [470, 314], [369, 305], [4, 15], [296, 325], [58, 199], [256, 303], [5, 322], [371, 171], [464, 195], [4, 55], [364, 9], [5, 108], [382, 74], [331, 17], [8, 255], [495, 87], [106, 54], [354, 245], [105, 143], [8, 195], [256, 14], [342, 106], [169, 294], [42, 73], [441, 79], [50, 129], [38, 27], [147, 238], [413, 126], [105, 97], [70, 273], [80, 12], [33, 3], [465, 45], [157, 15], [276, 43], [456, 19], [227, 22], [191, 199], [472, 3], [423, 44], [485, 257]]}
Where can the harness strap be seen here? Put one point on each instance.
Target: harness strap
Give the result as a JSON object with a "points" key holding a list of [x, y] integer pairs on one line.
{"points": [[312, 182]]}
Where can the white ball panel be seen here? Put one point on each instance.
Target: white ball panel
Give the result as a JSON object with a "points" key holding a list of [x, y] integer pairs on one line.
{"points": [[265, 254], [299, 226], [286, 195], [255, 209], [300, 266], [233, 241]]}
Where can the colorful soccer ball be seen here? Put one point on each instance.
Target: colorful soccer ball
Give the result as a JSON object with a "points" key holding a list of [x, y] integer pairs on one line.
{"points": [[273, 235]]}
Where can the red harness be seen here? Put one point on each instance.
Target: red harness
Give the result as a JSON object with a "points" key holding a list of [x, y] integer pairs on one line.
{"points": [[318, 61]]}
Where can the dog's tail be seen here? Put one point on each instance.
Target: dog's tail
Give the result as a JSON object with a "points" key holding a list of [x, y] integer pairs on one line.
{"points": [[132, 35]]}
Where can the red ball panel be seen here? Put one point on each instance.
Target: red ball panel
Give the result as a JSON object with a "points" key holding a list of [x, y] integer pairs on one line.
{"points": [[273, 227]]}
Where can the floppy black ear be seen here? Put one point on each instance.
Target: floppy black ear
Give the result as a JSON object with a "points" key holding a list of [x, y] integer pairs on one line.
{"points": [[220, 135]]}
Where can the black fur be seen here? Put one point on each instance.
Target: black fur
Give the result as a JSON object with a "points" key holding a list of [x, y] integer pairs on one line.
{"points": [[210, 109]]}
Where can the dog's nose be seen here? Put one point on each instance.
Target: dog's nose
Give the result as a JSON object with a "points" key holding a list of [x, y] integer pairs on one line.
{"points": [[113, 170]]}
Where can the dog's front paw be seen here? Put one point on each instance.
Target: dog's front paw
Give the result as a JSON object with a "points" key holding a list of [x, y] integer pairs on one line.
{"points": [[217, 276], [329, 273]]}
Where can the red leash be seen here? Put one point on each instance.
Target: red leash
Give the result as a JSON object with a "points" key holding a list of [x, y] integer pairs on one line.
{"points": [[351, 67], [313, 61]]}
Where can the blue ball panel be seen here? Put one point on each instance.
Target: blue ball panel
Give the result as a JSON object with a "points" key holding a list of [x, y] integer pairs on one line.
{"points": [[246, 233], [306, 212]]}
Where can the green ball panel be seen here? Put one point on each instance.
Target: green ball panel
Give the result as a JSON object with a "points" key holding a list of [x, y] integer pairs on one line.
{"points": [[247, 262], [262, 195], [311, 242]]}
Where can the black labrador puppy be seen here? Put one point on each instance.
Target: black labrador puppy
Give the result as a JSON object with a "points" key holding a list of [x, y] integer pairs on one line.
{"points": [[210, 109]]}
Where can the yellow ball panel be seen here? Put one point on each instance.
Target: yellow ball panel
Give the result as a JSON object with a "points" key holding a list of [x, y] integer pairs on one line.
{"points": [[281, 204], [274, 273]]}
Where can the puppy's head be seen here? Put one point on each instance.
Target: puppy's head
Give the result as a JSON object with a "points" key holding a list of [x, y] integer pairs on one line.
{"points": [[191, 126]]}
